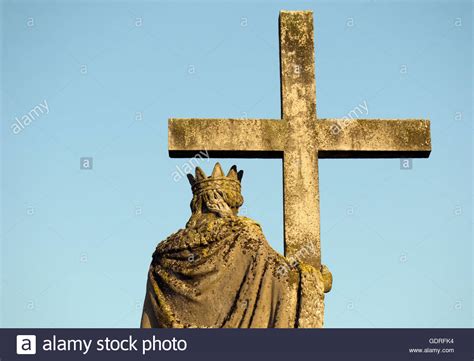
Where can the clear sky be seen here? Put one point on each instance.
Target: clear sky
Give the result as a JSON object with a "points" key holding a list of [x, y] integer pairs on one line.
{"points": [[76, 243]]}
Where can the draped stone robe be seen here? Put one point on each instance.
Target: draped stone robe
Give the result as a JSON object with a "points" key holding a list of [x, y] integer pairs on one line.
{"points": [[221, 272]]}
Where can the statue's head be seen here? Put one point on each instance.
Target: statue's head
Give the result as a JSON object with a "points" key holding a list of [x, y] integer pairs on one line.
{"points": [[218, 194]]}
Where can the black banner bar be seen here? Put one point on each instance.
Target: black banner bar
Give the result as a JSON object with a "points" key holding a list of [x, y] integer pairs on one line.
{"points": [[236, 344]]}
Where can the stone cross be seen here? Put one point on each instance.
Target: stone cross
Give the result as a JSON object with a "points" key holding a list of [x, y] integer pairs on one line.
{"points": [[300, 138]]}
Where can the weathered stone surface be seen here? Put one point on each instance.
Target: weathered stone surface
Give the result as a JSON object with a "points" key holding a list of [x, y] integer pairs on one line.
{"points": [[299, 138], [300, 159], [188, 136], [385, 138]]}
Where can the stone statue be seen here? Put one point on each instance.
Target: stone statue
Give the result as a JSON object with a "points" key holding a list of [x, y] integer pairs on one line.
{"points": [[220, 270]]}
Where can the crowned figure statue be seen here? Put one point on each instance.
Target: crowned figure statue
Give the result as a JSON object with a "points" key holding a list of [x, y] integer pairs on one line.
{"points": [[220, 270]]}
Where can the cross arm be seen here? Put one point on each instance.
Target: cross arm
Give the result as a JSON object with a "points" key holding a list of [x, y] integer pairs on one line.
{"points": [[373, 138], [239, 138]]}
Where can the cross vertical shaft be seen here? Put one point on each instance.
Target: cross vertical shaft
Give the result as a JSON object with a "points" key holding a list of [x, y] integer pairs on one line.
{"points": [[300, 158]]}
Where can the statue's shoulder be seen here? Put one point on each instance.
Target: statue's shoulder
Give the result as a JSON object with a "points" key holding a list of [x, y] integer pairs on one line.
{"points": [[248, 223], [171, 240], [209, 232], [239, 224]]}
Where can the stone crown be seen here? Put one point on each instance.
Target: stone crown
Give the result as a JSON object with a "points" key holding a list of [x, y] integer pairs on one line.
{"points": [[201, 182]]}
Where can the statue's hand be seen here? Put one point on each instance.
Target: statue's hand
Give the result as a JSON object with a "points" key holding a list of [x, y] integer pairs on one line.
{"points": [[327, 278]]}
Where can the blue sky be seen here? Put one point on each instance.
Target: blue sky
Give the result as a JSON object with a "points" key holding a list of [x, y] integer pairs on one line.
{"points": [[76, 243]]}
